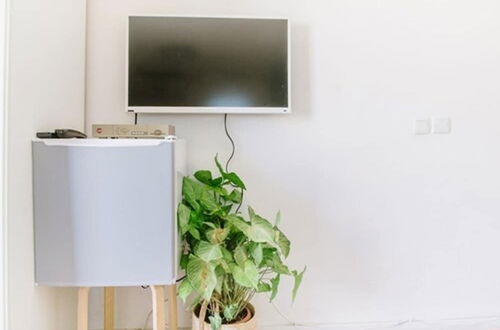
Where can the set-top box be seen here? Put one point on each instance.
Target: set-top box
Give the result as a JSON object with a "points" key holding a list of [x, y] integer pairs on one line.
{"points": [[132, 131]]}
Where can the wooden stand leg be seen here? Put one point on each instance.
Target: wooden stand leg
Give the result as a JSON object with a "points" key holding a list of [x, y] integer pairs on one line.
{"points": [[172, 307], [83, 309], [109, 308], [158, 307]]}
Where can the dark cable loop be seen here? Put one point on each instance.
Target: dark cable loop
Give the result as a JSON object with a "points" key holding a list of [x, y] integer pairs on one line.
{"points": [[232, 143], [233, 151]]}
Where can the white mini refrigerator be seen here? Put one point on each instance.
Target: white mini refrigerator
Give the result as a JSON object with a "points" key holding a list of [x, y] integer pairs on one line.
{"points": [[105, 211]]}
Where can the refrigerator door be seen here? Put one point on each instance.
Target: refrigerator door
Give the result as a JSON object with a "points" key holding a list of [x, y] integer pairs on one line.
{"points": [[105, 212]]}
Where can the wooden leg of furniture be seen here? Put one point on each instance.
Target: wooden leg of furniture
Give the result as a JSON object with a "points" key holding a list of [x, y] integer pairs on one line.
{"points": [[172, 307], [158, 296], [83, 309], [109, 308], [158, 307]]}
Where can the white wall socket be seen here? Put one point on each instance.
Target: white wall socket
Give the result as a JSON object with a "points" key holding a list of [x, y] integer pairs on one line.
{"points": [[422, 126], [441, 125]]}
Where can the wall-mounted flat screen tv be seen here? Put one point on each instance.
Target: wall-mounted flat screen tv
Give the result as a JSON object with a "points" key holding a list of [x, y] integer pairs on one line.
{"points": [[208, 65]]}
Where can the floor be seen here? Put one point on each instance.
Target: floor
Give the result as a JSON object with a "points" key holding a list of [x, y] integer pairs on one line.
{"points": [[475, 324], [491, 324]]}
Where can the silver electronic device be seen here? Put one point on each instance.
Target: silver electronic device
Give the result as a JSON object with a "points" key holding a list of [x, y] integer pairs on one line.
{"points": [[132, 131]]}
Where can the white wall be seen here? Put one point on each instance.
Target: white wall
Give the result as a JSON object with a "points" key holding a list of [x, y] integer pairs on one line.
{"points": [[392, 226], [46, 91], [3, 150]]}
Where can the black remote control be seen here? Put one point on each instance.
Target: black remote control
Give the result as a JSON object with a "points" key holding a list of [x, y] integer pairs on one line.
{"points": [[62, 134]]}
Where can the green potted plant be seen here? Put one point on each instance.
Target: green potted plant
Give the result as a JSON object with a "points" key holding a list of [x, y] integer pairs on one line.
{"points": [[227, 257]]}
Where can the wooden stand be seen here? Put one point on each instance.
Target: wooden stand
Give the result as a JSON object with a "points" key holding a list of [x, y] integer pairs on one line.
{"points": [[172, 307], [158, 307], [109, 308], [83, 309], [158, 302]]}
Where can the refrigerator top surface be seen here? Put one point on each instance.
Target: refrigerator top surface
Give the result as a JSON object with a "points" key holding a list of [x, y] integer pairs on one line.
{"points": [[103, 142]]}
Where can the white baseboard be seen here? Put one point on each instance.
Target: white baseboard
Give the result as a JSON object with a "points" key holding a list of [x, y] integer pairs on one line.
{"points": [[486, 323]]}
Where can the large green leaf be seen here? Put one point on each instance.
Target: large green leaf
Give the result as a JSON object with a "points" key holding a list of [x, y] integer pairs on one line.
{"points": [[209, 224], [228, 257], [219, 191], [207, 200], [224, 264], [277, 265], [191, 191], [283, 243], [216, 182], [258, 219], [235, 196], [184, 261], [208, 251], [183, 213], [257, 253], [185, 290], [275, 282], [235, 179], [268, 255], [261, 231], [195, 194], [201, 276], [247, 276], [194, 232], [240, 255], [204, 176], [226, 209], [238, 223], [195, 219], [190, 188], [263, 287], [220, 274], [297, 281], [217, 235]]}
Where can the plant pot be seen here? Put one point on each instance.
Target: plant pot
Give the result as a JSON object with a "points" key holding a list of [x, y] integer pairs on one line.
{"points": [[249, 323]]}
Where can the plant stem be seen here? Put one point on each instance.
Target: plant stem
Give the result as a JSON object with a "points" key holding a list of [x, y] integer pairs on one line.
{"points": [[203, 313]]}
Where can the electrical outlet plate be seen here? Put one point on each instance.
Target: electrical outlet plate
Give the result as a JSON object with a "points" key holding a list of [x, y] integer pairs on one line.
{"points": [[441, 125], [422, 126]]}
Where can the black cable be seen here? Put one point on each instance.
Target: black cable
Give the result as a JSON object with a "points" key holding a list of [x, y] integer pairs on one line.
{"points": [[176, 281], [232, 143], [135, 118], [233, 151]]}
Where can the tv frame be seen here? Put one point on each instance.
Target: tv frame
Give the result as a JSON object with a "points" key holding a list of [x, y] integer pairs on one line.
{"points": [[209, 110]]}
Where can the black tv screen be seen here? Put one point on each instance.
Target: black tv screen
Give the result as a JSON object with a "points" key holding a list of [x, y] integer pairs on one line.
{"points": [[202, 64]]}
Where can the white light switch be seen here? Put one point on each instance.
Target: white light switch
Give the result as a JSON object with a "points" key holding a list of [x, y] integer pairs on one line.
{"points": [[422, 126], [441, 125]]}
